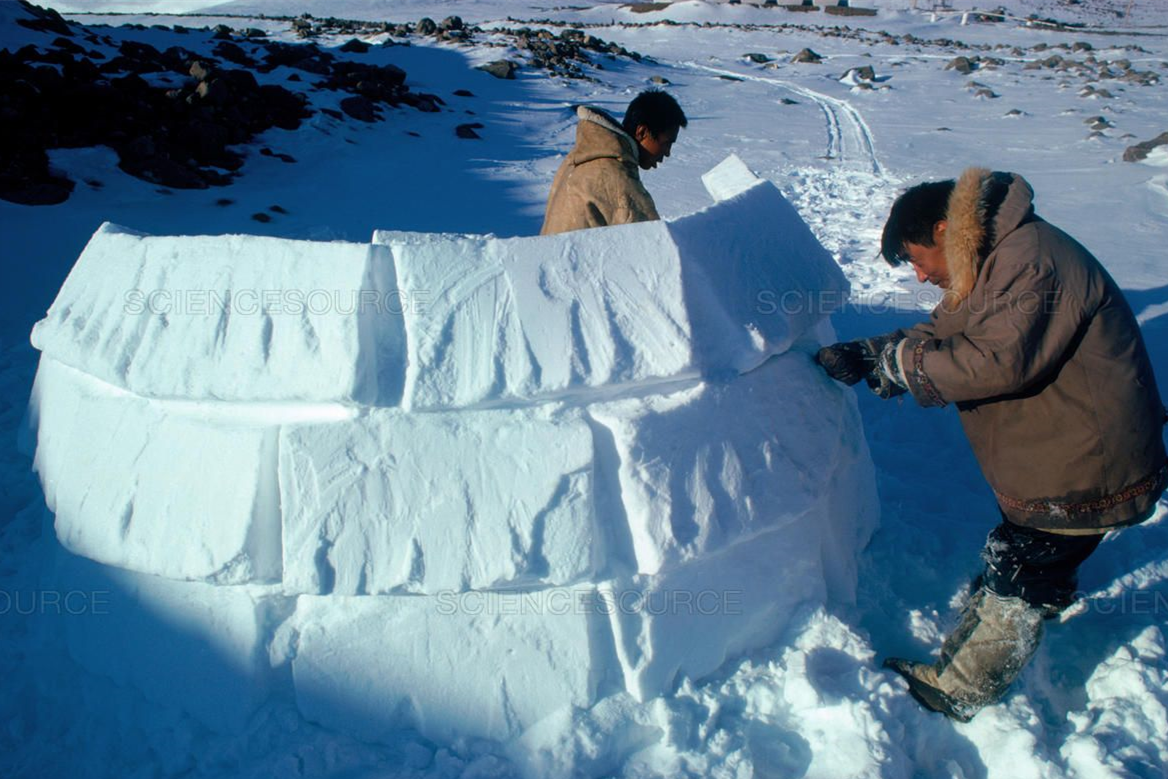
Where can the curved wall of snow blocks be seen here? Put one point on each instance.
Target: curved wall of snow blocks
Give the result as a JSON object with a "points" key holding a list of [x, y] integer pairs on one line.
{"points": [[452, 483]]}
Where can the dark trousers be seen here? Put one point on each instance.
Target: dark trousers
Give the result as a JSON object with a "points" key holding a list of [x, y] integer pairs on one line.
{"points": [[1040, 568]]}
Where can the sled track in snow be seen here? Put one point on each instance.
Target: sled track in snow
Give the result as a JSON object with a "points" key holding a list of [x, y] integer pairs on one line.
{"points": [[844, 202], [849, 139]]}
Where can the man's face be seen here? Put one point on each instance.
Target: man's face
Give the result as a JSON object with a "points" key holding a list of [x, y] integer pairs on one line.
{"points": [[654, 148], [929, 261]]}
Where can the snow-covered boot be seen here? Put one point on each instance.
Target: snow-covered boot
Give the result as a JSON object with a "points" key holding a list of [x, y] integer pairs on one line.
{"points": [[994, 640]]}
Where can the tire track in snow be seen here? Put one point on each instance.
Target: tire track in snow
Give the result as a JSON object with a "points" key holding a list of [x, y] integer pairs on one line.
{"points": [[845, 201]]}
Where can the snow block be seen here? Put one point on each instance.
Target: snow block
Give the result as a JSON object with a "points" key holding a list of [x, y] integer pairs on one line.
{"points": [[745, 501], [716, 464], [539, 317], [230, 317], [420, 503], [756, 278], [197, 647], [452, 666], [691, 619], [139, 487], [554, 317]]}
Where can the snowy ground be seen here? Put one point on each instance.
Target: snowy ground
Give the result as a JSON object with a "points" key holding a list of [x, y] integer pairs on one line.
{"points": [[1094, 703]]}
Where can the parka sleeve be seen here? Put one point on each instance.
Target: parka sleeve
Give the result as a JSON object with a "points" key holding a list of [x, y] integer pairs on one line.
{"points": [[1013, 340]]}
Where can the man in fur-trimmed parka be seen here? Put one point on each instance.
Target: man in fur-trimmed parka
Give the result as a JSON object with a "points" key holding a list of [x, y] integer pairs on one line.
{"points": [[1035, 344], [599, 182]]}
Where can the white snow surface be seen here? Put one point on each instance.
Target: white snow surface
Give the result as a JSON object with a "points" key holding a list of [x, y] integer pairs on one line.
{"points": [[97, 656], [227, 317]]}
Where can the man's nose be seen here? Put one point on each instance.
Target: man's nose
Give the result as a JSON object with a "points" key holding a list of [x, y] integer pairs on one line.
{"points": [[921, 277]]}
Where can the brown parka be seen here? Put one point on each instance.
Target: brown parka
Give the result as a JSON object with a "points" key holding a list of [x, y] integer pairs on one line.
{"points": [[599, 182], [1036, 345]]}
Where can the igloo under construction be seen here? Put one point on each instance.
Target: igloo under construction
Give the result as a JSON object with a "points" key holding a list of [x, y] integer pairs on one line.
{"points": [[461, 485]]}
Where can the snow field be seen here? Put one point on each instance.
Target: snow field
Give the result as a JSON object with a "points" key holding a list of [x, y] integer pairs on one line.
{"points": [[613, 463]]}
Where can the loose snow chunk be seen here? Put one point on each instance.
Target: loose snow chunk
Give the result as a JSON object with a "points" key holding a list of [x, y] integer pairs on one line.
{"points": [[728, 178], [442, 501], [522, 318], [472, 664], [136, 487], [197, 647], [229, 317], [756, 278], [710, 466]]}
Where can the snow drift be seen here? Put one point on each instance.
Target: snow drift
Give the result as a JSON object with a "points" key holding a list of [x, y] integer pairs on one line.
{"points": [[458, 484]]}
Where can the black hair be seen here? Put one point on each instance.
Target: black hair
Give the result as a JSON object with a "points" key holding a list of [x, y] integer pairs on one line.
{"points": [[912, 218], [656, 110]]}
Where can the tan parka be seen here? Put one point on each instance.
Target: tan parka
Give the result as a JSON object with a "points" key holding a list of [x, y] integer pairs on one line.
{"points": [[1036, 345], [599, 182]]}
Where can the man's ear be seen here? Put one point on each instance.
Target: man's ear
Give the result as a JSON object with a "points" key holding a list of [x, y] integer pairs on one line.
{"points": [[939, 231], [642, 132]]}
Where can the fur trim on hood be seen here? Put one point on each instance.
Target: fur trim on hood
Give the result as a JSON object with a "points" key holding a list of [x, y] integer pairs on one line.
{"points": [[984, 207], [614, 143]]}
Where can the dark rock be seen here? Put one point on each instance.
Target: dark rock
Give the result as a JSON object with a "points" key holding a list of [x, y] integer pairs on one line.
{"points": [[426, 26], [222, 32], [468, 131], [254, 32], [44, 20], [360, 108], [260, 216], [354, 46], [201, 70], [1082, 46], [223, 202], [233, 53], [463, 93], [64, 44], [277, 209], [1098, 122], [807, 55], [451, 23], [333, 113], [756, 57], [500, 68], [1141, 150], [963, 65], [862, 73]]}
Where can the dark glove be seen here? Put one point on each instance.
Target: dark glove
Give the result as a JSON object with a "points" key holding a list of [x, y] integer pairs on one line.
{"points": [[847, 362], [885, 379], [853, 360]]}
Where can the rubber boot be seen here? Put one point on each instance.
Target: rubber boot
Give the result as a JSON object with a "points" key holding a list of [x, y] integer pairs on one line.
{"points": [[994, 640]]}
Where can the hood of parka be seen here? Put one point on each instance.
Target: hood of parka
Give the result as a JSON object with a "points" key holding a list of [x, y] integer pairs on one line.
{"points": [[599, 136], [984, 208]]}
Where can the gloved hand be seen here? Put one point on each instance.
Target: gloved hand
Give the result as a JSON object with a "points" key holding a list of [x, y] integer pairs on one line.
{"points": [[885, 379], [851, 361], [847, 362]]}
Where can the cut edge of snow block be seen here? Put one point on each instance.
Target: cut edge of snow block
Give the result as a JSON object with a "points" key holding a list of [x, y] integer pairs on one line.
{"points": [[136, 486], [229, 317]]}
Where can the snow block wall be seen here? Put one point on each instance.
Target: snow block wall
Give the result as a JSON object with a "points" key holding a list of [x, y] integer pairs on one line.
{"points": [[458, 484]]}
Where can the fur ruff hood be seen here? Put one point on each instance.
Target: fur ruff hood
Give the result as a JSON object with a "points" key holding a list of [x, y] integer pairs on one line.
{"points": [[984, 208], [599, 135]]}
